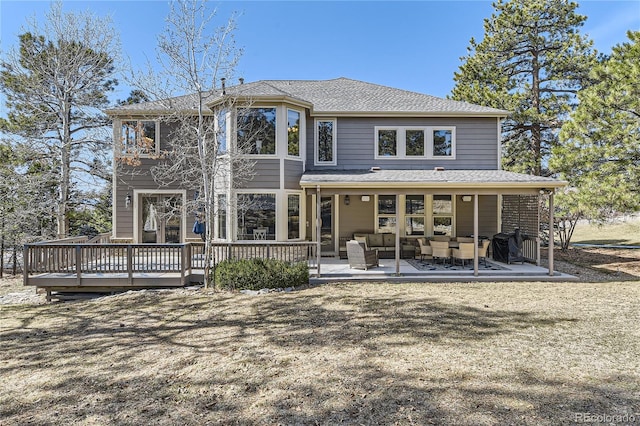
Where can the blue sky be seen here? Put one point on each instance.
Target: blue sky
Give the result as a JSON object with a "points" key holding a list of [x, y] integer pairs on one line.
{"points": [[414, 45]]}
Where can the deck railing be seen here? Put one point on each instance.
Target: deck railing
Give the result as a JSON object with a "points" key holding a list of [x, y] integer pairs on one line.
{"points": [[94, 258]]}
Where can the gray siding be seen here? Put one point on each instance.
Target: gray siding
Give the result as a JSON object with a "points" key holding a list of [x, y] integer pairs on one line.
{"points": [[476, 143], [292, 173], [267, 175], [487, 216]]}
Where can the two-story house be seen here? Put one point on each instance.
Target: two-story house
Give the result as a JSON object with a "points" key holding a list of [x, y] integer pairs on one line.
{"points": [[361, 157]]}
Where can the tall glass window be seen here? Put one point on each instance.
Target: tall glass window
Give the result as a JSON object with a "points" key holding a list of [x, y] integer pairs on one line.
{"points": [[325, 142], [414, 214], [414, 143], [293, 133], [293, 214], [442, 143], [222, 216], [387, 143], [442, 215], [256, 216], [386, 214], [256, 130]]}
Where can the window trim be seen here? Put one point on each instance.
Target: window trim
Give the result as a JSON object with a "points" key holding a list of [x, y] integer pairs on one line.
{"points": [[401, 143], [316, 143], [146, 154]]}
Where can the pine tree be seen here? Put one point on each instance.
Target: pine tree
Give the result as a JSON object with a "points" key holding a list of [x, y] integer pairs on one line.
{"points": [[56, 82], [600, 150], [531, 62]]}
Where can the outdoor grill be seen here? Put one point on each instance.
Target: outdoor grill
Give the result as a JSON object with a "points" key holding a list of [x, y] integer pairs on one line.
{"points": [[507, 247]]}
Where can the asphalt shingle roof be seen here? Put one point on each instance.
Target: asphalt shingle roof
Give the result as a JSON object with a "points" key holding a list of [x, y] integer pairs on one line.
{"points": [[426, 177], [337, 96]]}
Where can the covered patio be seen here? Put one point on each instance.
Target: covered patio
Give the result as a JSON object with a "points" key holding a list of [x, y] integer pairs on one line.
{"points": [[480, 203]]}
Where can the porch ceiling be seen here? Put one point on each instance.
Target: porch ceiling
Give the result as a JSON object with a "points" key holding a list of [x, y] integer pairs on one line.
{"points": [[401, 181]]}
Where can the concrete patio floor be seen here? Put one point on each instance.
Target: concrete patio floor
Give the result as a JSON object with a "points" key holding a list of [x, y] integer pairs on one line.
{"points": [[335, 269]]}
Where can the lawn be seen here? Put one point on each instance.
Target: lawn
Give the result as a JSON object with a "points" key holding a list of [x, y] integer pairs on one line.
{"points": [[456, 353], [622, 232]]}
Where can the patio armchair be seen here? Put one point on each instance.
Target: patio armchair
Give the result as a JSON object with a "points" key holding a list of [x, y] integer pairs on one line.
{"points": [[483, 249], [425, 248], [440, 250], [465, 251], [359, 257]]}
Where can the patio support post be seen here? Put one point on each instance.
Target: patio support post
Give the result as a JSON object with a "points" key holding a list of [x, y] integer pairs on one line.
{"points": [[551, 236], [475, 234], [318, 230], [398, 234]]}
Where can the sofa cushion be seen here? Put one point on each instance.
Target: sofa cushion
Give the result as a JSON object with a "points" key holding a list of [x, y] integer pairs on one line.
{"points": [[375, 240], [389, 240]]}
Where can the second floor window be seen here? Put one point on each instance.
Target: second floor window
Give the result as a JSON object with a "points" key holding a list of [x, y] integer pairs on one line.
{"points": [[139, 137], [256, 130], [415, 142], [326, 142], [293, 133]]}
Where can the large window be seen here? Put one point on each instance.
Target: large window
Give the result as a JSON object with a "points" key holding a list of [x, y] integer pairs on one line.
{"points": [[414, 214], [442, 215], [415, 142], [139, 137], [325, 142], [293, 133], [256, 130], [293, 214], [256, 216], [386, 214], [443, 142], [387, 143]]}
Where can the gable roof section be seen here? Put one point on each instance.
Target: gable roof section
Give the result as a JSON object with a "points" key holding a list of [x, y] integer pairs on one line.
{"points": [[426, 179], [340, 96]]}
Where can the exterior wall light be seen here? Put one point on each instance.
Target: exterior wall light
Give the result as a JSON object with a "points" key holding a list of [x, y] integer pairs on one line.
{"points": [[127, 201], [347, 200], [466, 198]]}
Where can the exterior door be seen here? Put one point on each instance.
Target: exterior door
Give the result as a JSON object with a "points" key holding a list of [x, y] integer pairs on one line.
{"points": [[161, 218], [326, 229]]}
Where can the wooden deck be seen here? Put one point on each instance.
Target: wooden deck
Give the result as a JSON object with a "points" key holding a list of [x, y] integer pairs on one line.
{"points": [[102, 267]]}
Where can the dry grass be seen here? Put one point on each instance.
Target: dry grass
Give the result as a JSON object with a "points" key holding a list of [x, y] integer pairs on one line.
{"points": [[467, 354], [618, 233]]}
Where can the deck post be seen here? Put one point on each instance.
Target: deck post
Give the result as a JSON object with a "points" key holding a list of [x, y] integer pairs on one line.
{"points": [[78, 265], [25, 264], [551, 235], [397, 230], [318, 230], [183, 264], [129, 264]]}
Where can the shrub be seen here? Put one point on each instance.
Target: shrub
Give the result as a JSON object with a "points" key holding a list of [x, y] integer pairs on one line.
{"points": [[256, 274]]}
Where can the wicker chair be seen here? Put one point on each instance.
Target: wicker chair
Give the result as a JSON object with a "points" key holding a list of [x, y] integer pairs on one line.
{"points": [[425, 248], [482, 250], [465, 251], [359, 257], [440, 250]]}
